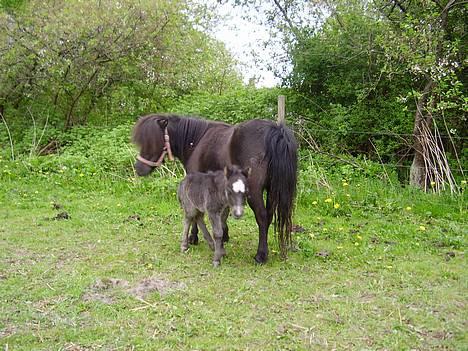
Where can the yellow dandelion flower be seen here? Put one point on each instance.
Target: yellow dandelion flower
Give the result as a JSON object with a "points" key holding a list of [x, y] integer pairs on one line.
{"points": [[359, 237], [337, 205], [340, 229], [81, 175], [312, 235], [345, 184], [422, 228], [408, 208], [339, 247], [314, 202], [328, 200]]}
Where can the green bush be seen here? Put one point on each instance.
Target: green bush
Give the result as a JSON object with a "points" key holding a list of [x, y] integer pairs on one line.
{"points": [[233, 106]]}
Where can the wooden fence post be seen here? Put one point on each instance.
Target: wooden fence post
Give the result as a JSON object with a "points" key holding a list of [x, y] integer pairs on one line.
{"points": [[281, 109]]}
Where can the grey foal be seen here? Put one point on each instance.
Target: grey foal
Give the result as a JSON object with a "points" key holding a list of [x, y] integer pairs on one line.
{"points": [[213, 193]]}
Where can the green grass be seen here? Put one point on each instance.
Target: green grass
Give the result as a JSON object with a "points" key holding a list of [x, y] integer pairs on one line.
{"points": [[385, 270]]}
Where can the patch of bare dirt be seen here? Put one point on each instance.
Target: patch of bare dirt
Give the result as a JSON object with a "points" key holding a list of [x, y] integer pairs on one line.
{"points": [[61, 216], [9, 330], [149, 285], [323, 254], [103, 289], [75, 347]]}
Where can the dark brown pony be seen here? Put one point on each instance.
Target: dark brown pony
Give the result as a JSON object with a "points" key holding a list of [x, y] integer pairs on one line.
{"points": [[268, 149]]}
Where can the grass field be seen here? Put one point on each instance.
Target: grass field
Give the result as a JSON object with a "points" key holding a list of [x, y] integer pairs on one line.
{"points": [[94, 264]]}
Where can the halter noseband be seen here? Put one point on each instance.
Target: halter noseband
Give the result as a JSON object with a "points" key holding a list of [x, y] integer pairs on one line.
{"points": [[166, 150]]}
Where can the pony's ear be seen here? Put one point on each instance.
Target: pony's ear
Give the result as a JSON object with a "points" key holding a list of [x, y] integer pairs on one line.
{"points": [[163, 122], [247, 171]]}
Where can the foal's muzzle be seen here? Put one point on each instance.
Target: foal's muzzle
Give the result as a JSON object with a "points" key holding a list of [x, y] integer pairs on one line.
{"points": [[237, 211]]}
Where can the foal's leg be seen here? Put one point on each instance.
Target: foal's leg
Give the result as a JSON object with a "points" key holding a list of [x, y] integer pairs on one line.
{"points": [[224, 218], [217, 226], [263, 221], [184, 242], [206, 233], [193, 238]]}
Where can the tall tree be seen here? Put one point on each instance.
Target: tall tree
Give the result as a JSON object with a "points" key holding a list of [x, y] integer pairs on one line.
{"points": [[73, 55], [426, 41], [377, 50]]}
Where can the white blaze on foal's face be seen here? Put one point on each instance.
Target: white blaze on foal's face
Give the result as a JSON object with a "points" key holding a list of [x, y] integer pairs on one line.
{"points": [[238, 186]]}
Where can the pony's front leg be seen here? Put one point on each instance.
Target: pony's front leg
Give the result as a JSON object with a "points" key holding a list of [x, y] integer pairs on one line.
{"points": [[184, 243], [217, 226], [225, 226], [193, 238]]}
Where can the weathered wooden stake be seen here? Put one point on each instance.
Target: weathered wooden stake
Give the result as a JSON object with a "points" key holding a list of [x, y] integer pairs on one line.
{"points": [[281, 109]]}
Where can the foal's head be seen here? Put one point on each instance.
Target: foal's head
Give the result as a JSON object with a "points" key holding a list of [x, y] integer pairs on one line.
{"points": [[236, 188], [148, 135]]}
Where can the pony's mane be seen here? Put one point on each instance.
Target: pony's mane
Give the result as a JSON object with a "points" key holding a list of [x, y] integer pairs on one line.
{"points": [[187, 131], [184, 131]]}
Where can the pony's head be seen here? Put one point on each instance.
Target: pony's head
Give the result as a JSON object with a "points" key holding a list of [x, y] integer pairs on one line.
{"points": [[150, 135], [236, 188]]}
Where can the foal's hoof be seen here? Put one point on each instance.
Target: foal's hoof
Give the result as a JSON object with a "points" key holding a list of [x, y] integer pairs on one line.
{"points": [[193, 240], [216, 263], [261, 258], [183, 249]]}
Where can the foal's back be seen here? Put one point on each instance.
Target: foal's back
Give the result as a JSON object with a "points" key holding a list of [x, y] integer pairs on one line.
{"points": [[202, 192]]}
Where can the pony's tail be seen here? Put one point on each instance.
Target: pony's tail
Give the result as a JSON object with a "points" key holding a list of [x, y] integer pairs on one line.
{"points": [[281, 154]]}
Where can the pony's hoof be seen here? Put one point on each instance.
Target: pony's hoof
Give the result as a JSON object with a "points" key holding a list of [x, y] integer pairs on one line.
{"points": [[193, 240], [261, 258], [183, 249], [216, 264]]}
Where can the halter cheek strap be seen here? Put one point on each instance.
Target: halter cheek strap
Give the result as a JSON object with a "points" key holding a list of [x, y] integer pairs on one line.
{"points": [[166, 151]]}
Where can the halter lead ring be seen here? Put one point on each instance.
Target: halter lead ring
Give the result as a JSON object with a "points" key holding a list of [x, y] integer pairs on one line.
{"points": [[166, 150]]}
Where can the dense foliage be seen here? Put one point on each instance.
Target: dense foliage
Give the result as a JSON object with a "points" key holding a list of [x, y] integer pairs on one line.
{"points": [[105, 61], [364, 77]]}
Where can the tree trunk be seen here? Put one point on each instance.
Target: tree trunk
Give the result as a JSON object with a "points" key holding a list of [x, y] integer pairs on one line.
{"points": [[422, 123]]}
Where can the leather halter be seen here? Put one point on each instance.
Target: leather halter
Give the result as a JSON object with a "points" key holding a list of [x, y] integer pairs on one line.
{"points": [[166, 151]]}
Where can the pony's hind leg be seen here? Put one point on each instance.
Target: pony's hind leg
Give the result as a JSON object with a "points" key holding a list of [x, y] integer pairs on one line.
{"points": [[206, 233], [263, 221], [184, 241]]}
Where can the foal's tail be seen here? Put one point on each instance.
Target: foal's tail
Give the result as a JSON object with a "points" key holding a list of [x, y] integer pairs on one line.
{"points": [[281, 153]]}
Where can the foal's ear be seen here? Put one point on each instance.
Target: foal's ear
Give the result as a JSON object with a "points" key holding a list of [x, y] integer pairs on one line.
{"points": [[247, 171], [227, 171], [163, 122]]}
